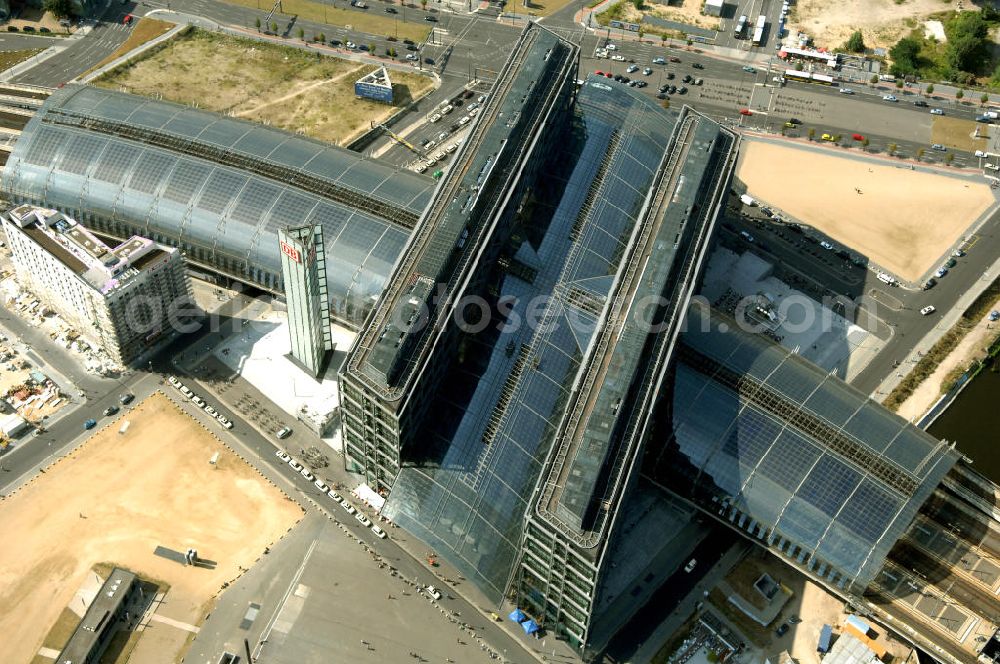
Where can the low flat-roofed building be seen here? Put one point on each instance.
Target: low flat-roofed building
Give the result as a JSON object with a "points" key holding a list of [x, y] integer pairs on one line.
{"points": [[123, 298], [110, 608]]}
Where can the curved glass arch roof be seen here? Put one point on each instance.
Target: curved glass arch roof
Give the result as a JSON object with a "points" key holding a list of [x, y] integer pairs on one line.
{"points": [[215, 186], [790, 452]]}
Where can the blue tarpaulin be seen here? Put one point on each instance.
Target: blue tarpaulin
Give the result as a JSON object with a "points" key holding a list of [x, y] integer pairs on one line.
{"points": [[529, 626], [517, 615]]}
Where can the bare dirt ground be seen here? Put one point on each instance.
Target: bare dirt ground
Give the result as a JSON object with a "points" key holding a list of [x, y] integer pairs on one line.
{"points": [[960, 134], [114, 500], [685, 11], [285, 87], [973, 345], [903, 220], [812, 605], [882, 22]]}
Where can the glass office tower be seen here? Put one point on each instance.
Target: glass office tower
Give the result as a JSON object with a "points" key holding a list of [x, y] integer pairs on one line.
{"points": [[303, 269]]}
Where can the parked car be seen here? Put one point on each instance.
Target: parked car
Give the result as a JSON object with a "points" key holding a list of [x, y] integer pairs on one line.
{"points": [[920, 103], [90, 424], [306, 474], [857, 137], [926, 311], [296, 466], [433, 592], [378, 532], [781, 631], [659, 61], [363, 519], [994, 316], [349, 507], [846, 91], [697, 65], [283, 432], [674, 58], [937, 111], [336, 496], [126, 398], [749, 69], [891, 98], [283, 456], [939, 147], [826, 245], [647, 71], [631, 68], [431, 19], [746, 111], [321, 486]]}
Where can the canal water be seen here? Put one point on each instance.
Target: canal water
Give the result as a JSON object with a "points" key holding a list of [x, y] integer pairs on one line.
{"points": [[973, 422]]}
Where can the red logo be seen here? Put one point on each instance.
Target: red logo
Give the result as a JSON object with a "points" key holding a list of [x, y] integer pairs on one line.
{"points": [[291, 252]]}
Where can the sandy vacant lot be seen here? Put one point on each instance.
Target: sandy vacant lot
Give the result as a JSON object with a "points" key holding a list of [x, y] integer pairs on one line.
{"points": [[115, 500], [903, 220], [286, 87], [882, 22]]}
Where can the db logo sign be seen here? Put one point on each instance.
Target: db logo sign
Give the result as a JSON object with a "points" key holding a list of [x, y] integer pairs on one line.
{"points": [[291, 252]]}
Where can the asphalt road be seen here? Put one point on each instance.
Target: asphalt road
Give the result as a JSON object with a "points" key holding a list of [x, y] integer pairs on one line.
{"points": [[82, 54], [12, 41]]}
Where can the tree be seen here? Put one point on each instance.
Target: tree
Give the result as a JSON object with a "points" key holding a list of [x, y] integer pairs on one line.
{"points": [[641, 35], [322, 37], [855, 43], [302, 34], [274, 26], [930, 89], [257, 23], [905, 56], [836, 138], [920, 154], [874, 79], [967, 40], [959, 94], [59, 8], [984, 99], [948, 158], [864, 142], [371, 48], [899, 84], [812, 133], [663, 40], [423, 4], [891, 148]]}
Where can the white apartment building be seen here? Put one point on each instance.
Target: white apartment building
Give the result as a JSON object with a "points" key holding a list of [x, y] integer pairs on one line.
{"points": [[122, 300]]}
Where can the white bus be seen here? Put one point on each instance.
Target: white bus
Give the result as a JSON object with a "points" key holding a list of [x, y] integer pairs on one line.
{"points": [[741, 25], [758, 31]]}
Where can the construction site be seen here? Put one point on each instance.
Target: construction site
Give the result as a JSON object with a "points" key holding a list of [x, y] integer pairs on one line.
{"points": [[108, 501]]}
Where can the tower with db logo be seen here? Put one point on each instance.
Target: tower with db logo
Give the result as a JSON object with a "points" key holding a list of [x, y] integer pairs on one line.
{"points": [[303, 267]]}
